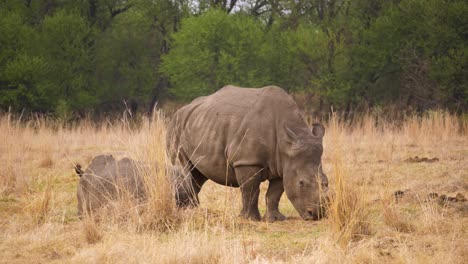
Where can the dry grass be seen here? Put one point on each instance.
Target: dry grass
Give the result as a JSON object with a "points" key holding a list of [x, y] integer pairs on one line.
{"points": [[395, 219], [364, 160], [40, 205], [91, 230], [348, 214]]}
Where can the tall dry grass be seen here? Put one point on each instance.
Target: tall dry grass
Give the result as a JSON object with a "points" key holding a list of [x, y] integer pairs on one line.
{"points": [[157, 212], [364, 160], [147, 146], [347, 211]]}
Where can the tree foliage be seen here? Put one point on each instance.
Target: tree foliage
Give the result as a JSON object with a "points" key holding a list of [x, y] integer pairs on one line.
{"points": [[212, 50], [72, 57], [414, 54]]}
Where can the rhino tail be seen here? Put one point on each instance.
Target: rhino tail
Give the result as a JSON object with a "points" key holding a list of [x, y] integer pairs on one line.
{"points": [[78, 170]]}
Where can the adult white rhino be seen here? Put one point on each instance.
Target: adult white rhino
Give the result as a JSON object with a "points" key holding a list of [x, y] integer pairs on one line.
{"points": [[240, 137]]}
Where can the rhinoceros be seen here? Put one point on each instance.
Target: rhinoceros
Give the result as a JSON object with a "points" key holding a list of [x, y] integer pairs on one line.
{"points": [[107, 179], [181, 183], [240, 137]]}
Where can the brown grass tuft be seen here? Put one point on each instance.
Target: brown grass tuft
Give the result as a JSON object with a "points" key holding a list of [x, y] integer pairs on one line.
{"points": [[40, 204], [13, 177], [393, 217], [91, 230], [46, 162], [348, 213], [159, 211]]}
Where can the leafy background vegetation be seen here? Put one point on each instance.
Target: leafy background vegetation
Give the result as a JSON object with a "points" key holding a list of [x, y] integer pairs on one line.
{"points": [[72, 57]]}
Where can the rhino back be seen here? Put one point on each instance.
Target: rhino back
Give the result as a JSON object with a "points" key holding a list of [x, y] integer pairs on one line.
{"points": [[234, 127], [101, 173], [97, 185], [105, 178], [129, 177]]}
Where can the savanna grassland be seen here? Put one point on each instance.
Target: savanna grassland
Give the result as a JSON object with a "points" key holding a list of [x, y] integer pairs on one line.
{"points": [[381, 210]]}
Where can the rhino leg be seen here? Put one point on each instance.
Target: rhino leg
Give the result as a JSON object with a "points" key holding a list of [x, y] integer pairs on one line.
{"points": [[273, 196], [187, 193], [249, 182]]}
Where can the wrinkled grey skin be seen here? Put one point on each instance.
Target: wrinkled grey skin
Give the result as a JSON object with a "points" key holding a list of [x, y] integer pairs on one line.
{"points": [[240, 137], [105, 179]]}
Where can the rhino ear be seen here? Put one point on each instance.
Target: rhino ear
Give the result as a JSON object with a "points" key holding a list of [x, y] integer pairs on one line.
{"points": [[78, 170], [295, 141], [291, 135], [318, 130]]}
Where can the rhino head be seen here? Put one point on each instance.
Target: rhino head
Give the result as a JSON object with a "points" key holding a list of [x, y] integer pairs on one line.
{"points": [[304, 181]]}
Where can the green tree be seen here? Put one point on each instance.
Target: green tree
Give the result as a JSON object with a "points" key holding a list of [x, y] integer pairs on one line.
{"points": [[22, 72], [78, 56], [64, 41], [213, 50], [124, 66], [294, 59], [72, 56], [414, 54]]}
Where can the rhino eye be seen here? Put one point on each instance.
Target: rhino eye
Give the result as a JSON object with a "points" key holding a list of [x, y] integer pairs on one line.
{"points": [[301, 183]]}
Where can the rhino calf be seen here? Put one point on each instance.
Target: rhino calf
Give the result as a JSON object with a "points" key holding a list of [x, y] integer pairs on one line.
{"points": [[107, 179]]}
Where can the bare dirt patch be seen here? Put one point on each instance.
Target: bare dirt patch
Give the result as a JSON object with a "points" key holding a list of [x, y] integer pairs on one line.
{"points": [[417, 159]]}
